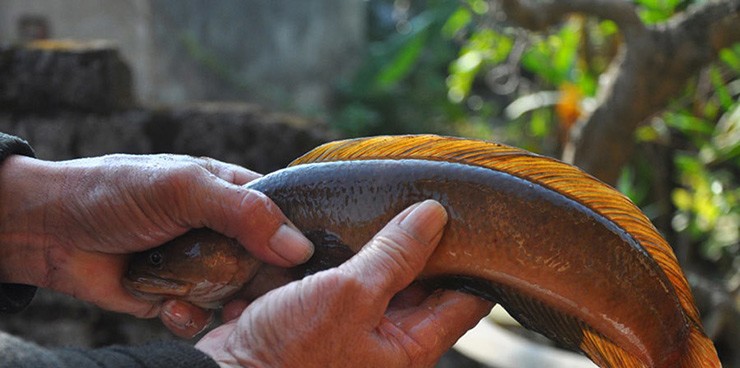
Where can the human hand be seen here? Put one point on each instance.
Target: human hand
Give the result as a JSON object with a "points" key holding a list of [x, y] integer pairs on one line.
{"points": [[70, 225], [362, 313]]}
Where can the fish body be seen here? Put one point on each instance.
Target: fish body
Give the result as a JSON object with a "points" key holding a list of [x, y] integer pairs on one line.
{"points": [[565, 254]]}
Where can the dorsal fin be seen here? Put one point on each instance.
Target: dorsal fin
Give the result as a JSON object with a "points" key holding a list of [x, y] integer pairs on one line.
{"points": [[548, 172]]}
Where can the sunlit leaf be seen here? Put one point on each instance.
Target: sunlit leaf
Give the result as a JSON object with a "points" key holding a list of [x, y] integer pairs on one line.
{"points": [[720, 88], [457, 22], [485, 47], [655, 11], [608, 27], [402, 63], [479, 6], [682, 199], [731, 57], [539, 124], [646, 133], [565, 47], [690, 125]]}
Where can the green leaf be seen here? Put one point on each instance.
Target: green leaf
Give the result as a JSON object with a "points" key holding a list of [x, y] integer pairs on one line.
{"points": [[646, 133], [682, 199], [655, 11], [457, 22], [731, 57], [539, 125], [688, 164], [566, 49], [696, 129], [403, 61], [723, 94], [538, 60], [608, 28], [480, 7], [485, 47]]}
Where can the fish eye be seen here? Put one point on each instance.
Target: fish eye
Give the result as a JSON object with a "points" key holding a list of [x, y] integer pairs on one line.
{"points": [[155, 259]]}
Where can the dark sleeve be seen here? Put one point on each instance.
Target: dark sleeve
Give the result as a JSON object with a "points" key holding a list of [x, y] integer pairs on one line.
{"points": [[17, 353], [10, 145], [14, 297]]}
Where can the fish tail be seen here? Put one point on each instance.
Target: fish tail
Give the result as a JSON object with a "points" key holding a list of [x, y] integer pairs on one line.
{"points": [[700, 351]]}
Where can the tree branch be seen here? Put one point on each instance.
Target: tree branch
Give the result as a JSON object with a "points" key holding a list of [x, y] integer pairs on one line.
{"points": [[539, 15], [716, 24], [653, 66]]}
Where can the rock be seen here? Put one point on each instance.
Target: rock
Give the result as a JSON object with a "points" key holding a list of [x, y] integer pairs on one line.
{"points": [[64, 75], [247, 135]]}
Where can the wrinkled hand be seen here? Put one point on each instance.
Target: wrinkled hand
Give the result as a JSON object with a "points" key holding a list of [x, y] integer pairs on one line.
{"points": [[69, 225], [353, 315]]}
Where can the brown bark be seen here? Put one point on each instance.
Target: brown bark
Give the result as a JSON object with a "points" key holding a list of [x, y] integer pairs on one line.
{"points": [[653, 66]]}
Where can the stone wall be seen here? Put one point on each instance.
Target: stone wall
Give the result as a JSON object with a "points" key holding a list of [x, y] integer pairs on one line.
{"points": [[247, 135], [73, 99], [285, 54]]}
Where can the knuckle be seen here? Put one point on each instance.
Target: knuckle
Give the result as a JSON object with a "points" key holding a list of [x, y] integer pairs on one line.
{"points": [[254, 201], [343, 283], [348, 283], [255, 206], [409, 351], [179, 174], [215, 168], [258, 204], [394, 249]]}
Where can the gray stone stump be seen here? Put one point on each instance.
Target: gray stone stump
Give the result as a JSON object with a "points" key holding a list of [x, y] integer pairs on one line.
{"points": [[64, 75]]}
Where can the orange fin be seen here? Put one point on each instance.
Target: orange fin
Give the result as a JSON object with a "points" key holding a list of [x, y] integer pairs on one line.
{"points": [[548, 172], [565, 329]]}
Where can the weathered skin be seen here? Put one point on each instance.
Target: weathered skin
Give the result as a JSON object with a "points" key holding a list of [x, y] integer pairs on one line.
{"points": [[545, 257]]}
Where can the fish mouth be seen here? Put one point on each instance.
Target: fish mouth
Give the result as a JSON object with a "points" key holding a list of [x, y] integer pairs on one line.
{"points": [[156, 289]]}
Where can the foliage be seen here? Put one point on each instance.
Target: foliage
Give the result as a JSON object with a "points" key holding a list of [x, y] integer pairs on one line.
{"points": [[452, 67], [400, 88], [455, 67]]}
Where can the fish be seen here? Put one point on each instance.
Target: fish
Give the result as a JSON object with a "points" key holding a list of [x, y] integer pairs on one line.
{"points": [[565, 254], [204, 268]]}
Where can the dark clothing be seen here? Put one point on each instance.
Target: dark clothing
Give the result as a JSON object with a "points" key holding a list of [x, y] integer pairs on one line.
{"points": [[13, 297], [18, 353]]}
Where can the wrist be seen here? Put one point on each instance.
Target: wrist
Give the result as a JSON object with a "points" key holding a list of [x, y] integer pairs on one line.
{"points": [[24, 199]]}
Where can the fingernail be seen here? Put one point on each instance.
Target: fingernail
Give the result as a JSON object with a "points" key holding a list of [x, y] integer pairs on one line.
{"points": [[177, 318], [426, 220], [289, 243]]}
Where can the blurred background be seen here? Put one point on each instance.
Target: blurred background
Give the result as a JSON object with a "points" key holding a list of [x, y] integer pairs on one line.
{"points": [[260, 82]]}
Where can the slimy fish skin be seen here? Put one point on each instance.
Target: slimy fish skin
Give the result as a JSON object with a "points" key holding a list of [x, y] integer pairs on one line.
{"points": [[204, 268], [565, 254]]}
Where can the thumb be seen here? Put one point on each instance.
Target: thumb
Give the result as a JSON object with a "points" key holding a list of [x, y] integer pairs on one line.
{"points": [[395, 257]]}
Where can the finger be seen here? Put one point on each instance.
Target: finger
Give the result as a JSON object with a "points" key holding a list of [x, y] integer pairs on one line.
{"points": [[233, 174], [438, 322], [397, 254], [254, 220], [184, 319], [409, 297], [233, 309], [96, 277]]}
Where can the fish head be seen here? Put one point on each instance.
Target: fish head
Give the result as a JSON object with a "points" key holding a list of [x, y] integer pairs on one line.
{"points": [[205, 269]]}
